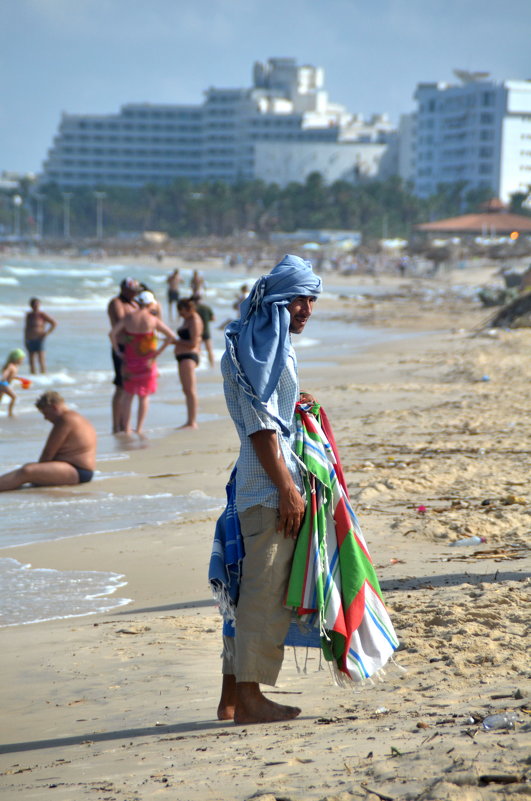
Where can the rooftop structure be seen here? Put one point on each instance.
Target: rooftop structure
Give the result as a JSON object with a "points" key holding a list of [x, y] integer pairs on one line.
{"points": [[220, 138]]}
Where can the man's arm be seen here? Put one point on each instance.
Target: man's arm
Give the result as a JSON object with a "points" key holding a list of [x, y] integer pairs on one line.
{"points": [[113, 335], [56, 439], [115, 310], [291, 505], [51, 322]]}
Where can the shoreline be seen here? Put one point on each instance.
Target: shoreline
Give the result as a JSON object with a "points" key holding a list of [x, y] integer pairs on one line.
{"points": [[121, 705]]}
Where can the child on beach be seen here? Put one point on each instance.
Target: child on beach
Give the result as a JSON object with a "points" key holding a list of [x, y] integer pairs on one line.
{"points": [[9, 372]]}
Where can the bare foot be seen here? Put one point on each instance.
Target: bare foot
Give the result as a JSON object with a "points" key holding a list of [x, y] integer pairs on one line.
{"points": [[227, 701], [188, 425], [225, 712], [253, 707]]}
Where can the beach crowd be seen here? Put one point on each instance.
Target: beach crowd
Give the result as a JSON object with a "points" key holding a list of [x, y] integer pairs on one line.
{"points": [[138, 336]]}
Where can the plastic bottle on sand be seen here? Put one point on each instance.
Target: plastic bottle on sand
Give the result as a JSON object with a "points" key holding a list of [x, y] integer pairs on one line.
{"points": [[469, 541], [502, 720]]}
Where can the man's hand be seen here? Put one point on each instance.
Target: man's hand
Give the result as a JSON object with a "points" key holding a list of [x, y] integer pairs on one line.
{"points": [[305, 397], [290, 513], [291, 505]]}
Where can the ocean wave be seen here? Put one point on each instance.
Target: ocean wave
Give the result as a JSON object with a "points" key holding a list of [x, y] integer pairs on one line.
{"points": [[21, 270], [103, 282], [10, 311], [97, 376], [73, 512], [49, 379], [33, 595], [69, 302], [305, 342], [7, 280]]}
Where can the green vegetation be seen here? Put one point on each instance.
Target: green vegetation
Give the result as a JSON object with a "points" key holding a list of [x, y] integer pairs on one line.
{"points": [[377, 209]]}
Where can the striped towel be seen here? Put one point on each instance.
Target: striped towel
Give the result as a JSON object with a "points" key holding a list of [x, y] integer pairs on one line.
{"points": [[333, 581]]}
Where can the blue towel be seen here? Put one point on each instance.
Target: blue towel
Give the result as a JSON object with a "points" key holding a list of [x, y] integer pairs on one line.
{"points": [[258, 343]]}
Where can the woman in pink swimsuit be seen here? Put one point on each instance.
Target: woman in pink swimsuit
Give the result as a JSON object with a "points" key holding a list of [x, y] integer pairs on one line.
{"points": [[139, 369]]}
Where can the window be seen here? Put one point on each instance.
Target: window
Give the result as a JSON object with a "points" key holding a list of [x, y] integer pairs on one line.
{"points": [[487, 99]]}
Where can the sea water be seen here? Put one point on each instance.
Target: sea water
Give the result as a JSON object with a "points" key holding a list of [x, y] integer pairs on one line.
{"points": [[78, 353]]}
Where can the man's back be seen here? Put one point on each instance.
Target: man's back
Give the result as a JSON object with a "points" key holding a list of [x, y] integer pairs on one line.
{"points": [[76, 440]]}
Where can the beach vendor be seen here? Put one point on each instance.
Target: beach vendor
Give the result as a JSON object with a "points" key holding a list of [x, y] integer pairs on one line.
{"points": [[261, 389], [69, 455]]}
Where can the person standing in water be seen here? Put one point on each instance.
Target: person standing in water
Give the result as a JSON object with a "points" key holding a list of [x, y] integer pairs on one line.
{"points": [[138, 329], [118, 307], [37, 327], [173, 281]]}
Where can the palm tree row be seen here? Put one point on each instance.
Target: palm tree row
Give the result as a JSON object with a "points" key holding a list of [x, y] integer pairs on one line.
{"points": [[376, 209]]}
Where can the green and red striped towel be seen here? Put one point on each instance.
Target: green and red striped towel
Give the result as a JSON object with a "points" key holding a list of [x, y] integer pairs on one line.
{"points": [[333, 583]]}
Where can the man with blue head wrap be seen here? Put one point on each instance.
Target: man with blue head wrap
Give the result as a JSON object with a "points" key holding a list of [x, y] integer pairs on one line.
{"points": [[261, 388]]}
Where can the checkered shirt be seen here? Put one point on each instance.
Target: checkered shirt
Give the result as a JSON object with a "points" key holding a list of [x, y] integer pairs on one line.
{"points": [[253, 485]]}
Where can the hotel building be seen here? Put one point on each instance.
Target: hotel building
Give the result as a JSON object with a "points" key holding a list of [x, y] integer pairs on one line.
{"points": [[281, 129], [477, 131]]}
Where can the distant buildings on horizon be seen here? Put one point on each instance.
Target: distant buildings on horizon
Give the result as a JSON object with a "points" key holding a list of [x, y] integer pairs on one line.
{"points": [[284, 128]]}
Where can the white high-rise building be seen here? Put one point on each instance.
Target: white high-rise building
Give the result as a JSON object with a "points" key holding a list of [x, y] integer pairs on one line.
{"points": [[235, 134], [477, 131]]}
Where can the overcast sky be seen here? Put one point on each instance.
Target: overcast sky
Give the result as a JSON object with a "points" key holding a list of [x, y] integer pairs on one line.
{"points": [[92, 56]]}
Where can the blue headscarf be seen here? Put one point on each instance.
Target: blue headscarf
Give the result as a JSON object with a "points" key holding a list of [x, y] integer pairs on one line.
{"points": [[258, 343]]}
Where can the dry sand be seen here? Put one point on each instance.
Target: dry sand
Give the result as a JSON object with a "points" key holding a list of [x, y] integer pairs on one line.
{"points": [[121, 705]]}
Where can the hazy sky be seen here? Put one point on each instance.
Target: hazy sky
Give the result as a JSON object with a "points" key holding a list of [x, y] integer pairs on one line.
{"points": [[92, 56]]}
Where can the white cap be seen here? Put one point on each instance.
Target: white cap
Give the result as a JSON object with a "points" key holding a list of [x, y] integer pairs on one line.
{"points": [[145, 298]]}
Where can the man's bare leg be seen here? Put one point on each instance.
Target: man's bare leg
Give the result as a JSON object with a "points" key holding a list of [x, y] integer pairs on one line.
{"points": [[44, 474], [117, 424], [227, 702], [42, 361], [245, 703]]}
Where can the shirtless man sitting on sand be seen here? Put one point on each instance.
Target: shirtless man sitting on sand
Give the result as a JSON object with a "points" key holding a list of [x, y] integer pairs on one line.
{"points": [[69, 455]]}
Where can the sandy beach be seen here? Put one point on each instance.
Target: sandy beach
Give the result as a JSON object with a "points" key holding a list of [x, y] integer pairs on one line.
{"points": [[121, 706]]}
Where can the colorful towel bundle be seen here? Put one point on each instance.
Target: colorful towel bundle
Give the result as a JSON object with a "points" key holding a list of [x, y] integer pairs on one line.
{"points": [[333, 588], [332, 576]]}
